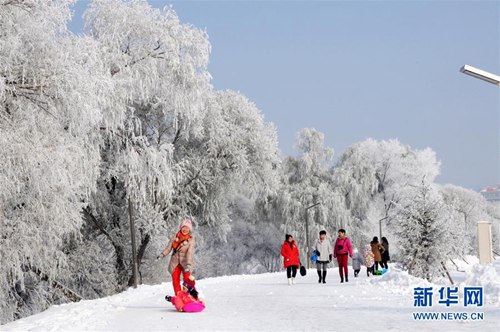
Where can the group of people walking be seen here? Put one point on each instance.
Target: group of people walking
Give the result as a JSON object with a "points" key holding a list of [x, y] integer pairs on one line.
{"points": [[181, 249], [375, 254]]}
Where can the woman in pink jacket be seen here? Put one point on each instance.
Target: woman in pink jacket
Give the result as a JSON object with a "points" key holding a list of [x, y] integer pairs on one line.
{"points": [[341, 249]]}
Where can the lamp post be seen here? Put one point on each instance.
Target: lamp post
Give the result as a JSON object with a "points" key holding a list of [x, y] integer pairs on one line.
{"points": [[307, 231], [485, 246], [135, 269], [481, 74]]}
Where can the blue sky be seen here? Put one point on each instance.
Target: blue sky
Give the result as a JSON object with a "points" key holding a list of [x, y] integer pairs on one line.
{"points": [[359, 69]]}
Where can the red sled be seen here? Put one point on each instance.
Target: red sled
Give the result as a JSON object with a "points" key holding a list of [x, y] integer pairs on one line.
{"points": [[184, 302]]}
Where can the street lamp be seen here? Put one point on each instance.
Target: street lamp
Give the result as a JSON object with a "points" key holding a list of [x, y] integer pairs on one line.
{"points": [[485, 247], [307, 231], [481, 74], [135, 267]]}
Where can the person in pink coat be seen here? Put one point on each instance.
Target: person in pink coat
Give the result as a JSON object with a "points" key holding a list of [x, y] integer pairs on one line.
{"points": [[341, 250]]}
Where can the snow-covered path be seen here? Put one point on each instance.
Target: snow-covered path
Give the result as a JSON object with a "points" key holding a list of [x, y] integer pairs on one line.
{"points": [[258, 302]]}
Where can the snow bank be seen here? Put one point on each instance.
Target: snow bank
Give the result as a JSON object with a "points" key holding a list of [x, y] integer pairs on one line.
{"points": [[397, 281], [487, 276], [463, 264]]}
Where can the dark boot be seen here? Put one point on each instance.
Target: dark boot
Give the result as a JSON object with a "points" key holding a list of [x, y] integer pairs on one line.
{"points": [[346, 278], [319, 275], [324, 277], [341, 279]]}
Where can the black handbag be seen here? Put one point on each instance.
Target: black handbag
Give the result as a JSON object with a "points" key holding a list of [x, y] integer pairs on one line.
{"points": [[303, 270]]}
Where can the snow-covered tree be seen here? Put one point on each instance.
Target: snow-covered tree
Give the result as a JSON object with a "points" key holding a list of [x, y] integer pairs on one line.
{"points": [[305, 181], [237, 154], [182, 148], [53, 90], [493, 215], [159, 68], [467, 208], [236, 148], [373, 177], [252, 244], [90, 123], [425, 231]]}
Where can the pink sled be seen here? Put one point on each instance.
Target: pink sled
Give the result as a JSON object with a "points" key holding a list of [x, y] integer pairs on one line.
{"points": [[186, 303]]}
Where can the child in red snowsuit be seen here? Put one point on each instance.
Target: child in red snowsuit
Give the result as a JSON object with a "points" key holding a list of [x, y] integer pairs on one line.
{"points": [[185, 302]]}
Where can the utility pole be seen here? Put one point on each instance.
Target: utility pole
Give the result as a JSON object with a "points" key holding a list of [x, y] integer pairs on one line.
{"points": [[135, 271], [307, 231], [380, 228], [307, 237]]}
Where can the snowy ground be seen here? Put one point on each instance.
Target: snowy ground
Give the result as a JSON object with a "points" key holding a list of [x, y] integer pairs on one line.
{"points": [[266, 303]]}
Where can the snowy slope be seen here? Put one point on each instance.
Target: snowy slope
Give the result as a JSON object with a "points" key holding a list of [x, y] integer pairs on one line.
{"points": [[260, 302]]}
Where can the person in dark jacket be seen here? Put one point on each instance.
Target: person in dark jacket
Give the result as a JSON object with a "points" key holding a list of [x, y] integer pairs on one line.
{"points": [[290, 253], [385, 253]]}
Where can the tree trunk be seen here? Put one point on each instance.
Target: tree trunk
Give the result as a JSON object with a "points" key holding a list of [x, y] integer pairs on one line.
{"points": [[142, 249], [410, 268], [119, 261], [140, 255]]}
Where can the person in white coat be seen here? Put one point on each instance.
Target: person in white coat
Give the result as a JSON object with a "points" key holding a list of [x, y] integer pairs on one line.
{"points": [[324, 250]]}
